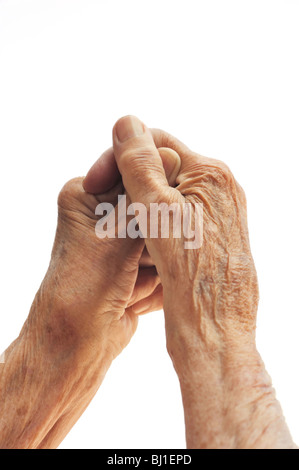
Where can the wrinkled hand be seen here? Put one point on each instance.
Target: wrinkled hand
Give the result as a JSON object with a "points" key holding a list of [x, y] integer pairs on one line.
{"points": [[210, 293], [83, 315], [217, 282], [98, 286]]}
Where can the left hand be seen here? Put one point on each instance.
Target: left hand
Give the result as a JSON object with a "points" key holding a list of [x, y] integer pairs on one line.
{"points": [[96, 287], [82, 317]]}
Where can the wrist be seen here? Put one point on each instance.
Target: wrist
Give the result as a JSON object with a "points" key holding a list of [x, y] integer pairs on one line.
{"points": [[48, 392], [200, 326], [228, 399]]}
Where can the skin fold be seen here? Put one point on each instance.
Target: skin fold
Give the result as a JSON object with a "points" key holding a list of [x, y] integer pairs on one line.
{"points": [[86, 310]]}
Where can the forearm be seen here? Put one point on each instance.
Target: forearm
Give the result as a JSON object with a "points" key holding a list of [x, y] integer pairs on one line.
{"points": [[228, 398], [46, 382]]}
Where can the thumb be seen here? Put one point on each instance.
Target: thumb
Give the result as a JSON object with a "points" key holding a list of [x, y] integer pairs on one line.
{"points": [[139, 161], [171, 164]]}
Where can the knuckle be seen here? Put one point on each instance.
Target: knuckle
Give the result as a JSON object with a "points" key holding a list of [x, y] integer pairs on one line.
{"points": [[217, 174], [214, 171], [241, 194], [70, 192], [222, 173], [224, 178]]}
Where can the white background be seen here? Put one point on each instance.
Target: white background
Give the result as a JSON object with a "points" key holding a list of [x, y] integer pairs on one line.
{"points": [[223, 77]]}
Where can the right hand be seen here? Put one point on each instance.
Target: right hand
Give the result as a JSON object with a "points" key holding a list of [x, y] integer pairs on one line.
{"points": [[210, 293]]}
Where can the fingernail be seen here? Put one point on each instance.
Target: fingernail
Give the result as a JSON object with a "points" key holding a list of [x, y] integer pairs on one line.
{"points": [[128, 127]]}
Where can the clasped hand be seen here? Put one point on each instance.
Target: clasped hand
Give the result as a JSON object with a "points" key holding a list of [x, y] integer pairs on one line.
{"points": [[87, 307]]}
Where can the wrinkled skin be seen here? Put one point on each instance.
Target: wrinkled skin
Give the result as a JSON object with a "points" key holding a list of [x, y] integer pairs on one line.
{"points": [[221, 269], [103, 282], [221, 281], [210, 295], [85, 312], [218, 280]]}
